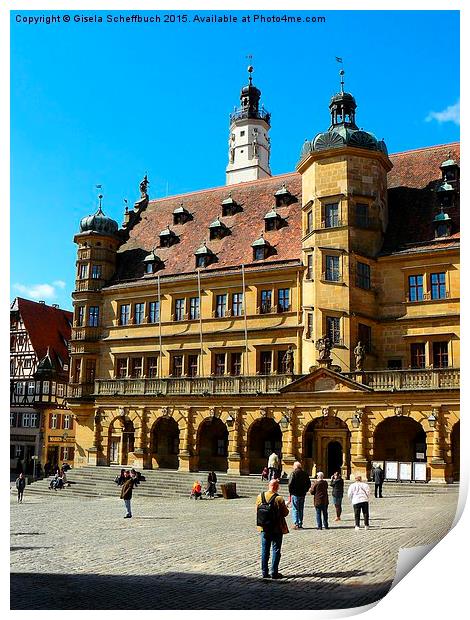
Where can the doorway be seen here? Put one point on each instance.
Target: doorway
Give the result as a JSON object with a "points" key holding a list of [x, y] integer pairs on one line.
{"points": [[334, 458]]}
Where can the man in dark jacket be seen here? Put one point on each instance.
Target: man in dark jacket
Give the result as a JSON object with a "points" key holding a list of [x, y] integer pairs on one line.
{"points": [[271, 535], [299, 484], [378, 480], [126, 492], [319, 491], [20, 485]]}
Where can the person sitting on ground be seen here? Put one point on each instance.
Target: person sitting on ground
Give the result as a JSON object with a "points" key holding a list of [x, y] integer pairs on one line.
{"points": [[264, 474], [196, 491]]}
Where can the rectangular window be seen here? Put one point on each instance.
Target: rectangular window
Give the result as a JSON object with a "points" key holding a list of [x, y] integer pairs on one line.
{"points": [[309, 271], [418, 355], [394, 364], [220, 305], [139, 312], [90, 371], [179, 309], [124, 314], [333, 329], [31, 386], [415, 288], [438, 285], [67, 453], [154, 311], [26, 420], [237, 304], [266, 302], [309, 221], [12, 419], [362, 215], [364, 336], [93, 316], [152, 367], [332, 215], [236, 364], [363, 275], [194, 308], [28, 362], [440, 356], [309, 332], [121, 367], [136, 367], [266, 361], [60, 390], [283, 300], [219, 364], [83, 271], [19, 388], [45, 387], [221, 447], [177, 366], [19, 452], [76, 372], [66, 422], [332, 273], [281, 364], [80, 316], [96, 272], [192, 365]]}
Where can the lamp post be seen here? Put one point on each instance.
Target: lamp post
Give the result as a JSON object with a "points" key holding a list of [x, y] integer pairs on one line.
{"points": [[432, 419], [356, 421]]}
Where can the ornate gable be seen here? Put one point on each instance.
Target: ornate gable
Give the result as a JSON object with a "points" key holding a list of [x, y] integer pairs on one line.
{"points": [[325, 380]]}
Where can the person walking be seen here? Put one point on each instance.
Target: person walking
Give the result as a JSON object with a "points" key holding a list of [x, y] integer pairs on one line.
{"points": [[299, 484], [273, 465], [378, 481], [337, 492], [271, 512], [319, 490], [359, 493], [20, 485], [126, 492]]}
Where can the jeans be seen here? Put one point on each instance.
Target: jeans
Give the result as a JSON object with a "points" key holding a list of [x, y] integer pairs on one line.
{"points": [[268, 540], [272, 473], [127, 504], [364, 506], [20, 495], [378, 489], [298, 502], [322, 510]]}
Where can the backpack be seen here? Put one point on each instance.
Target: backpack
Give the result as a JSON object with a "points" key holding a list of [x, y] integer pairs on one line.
{"points": [[266, 513]]}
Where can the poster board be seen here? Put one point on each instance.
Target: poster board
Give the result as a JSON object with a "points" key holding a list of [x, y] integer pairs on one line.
{"points": [[391, 470], [405, 471], [419, 472]]}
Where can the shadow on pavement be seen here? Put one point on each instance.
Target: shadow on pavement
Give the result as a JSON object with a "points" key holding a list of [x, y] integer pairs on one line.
{"points": [[186, 591]]}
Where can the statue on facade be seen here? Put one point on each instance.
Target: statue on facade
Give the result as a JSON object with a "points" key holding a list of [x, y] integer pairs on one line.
{"points": [[255, 147], [359, 354], [143, 187], [323, 346], [288, 360]]}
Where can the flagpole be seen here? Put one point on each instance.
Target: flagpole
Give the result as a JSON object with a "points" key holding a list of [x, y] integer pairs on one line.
{"points": [[245, 365], [201, 365], [159, 328]]}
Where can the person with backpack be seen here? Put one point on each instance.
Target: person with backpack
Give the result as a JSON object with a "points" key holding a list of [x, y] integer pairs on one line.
{"points": [[271, 512], [299, 484]]}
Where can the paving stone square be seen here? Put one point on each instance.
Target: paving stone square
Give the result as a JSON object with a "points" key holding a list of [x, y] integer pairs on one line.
{"points": [[75, 553]]}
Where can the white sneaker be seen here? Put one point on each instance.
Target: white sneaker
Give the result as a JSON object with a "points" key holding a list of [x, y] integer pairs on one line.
{"points": [[366, 527], [357, 528]]}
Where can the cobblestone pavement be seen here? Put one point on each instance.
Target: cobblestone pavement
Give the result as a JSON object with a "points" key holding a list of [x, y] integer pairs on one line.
{"points": [[69, 553]]}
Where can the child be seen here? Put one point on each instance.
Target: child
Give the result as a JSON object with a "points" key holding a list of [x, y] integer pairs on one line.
{"points": [[264, 474], [196, 491]]}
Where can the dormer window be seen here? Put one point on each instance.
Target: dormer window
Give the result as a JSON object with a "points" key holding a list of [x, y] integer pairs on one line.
{"points": [[218, 230], [261, 249], [273, 221], [167, 238], [181, 215], [450, 169], [445, 194], [230, 207], [152, 263], [442, 224], [283, 197], [204, 256]]}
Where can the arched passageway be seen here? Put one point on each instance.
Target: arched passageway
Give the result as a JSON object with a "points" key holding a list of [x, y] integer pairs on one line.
{"points": [[213, 445], [455, 449], [326, 446], [165, 444], [120, 441], [399, 439], [264, 437]]}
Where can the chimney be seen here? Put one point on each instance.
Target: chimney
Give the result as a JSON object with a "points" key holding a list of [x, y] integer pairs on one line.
{"points": [[55, 305], [41, 302]]}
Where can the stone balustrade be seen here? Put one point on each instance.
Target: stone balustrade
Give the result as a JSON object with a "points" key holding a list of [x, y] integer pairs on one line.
{"points": [[418, 379]]}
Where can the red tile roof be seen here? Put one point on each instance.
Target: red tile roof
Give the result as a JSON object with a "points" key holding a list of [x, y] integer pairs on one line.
{"points": [[47, 327], [412, 207]]}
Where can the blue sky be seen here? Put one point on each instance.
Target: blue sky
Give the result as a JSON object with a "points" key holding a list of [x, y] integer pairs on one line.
{"points": [[104, 103]]}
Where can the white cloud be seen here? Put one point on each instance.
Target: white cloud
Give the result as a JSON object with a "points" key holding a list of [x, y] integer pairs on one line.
{"points": [[40, 291], [450, 114]]}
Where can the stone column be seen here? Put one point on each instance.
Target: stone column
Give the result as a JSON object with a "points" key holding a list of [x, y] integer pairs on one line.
{"points": [[434, 449], [288, 455], [359, 462], [93, 452], [234, 456], [185, 442], [141, 441]]}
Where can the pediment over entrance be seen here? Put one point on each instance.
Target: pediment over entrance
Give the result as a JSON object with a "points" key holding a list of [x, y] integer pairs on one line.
{"points": [[325, 380]]}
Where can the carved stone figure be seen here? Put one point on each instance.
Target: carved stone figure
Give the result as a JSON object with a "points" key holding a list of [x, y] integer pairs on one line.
{"points": [[359, 354], [288, 360], [143, 187], [323, 346]]}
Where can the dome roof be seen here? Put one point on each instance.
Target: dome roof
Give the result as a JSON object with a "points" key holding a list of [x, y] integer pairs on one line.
{"points": [[98, 223], [346, 97], [345, 136]]}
